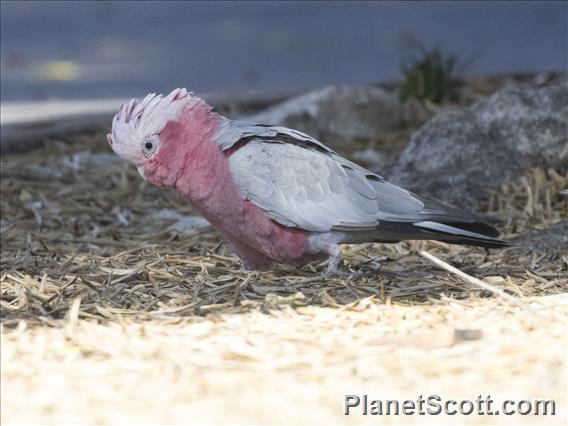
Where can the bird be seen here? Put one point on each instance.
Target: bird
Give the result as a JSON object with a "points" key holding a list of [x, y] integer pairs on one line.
{"points": [[277, 195]]}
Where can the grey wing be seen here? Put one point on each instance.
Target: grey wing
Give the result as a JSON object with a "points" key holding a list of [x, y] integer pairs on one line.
{"points": [[302, 188], [300, 182], [232, 132]]}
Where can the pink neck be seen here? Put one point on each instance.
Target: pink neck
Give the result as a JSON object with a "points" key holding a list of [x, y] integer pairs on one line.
{"points": [[190, 160], [183, 141]]}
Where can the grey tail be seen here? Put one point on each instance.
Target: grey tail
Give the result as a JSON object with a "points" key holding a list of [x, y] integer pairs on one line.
{"points": [[472, 233]]}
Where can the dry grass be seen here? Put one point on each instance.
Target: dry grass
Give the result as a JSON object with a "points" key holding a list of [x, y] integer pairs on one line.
{"points": [[110, 315]]}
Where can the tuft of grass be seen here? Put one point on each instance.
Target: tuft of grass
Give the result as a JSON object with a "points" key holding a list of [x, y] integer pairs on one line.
{"points": [[430, 77]]}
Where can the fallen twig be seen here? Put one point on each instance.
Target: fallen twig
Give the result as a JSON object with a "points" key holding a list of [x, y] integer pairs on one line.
{"points": [[474, 281]]}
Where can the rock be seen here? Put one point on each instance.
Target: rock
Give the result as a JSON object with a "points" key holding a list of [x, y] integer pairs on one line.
{"points": [[553, 239], [460, 154], [183, 224], [370, 156], [338, 115]]}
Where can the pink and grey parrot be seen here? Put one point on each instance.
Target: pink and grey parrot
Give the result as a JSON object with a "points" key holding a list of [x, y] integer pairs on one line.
{"points": [[275, 194]]}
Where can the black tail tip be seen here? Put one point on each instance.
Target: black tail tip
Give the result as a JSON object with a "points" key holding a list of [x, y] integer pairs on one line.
{"points": [[497, 244]]}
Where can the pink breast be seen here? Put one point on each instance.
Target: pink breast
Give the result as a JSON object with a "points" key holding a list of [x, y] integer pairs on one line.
{"points": [[192, 163], [210, 188]]}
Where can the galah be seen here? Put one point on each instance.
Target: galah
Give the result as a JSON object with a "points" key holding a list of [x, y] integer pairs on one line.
{"points": [[275, 194]]}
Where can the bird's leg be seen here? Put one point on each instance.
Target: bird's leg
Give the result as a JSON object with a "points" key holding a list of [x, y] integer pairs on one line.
{"points": [[246, 266], [335, 256], [251, 260]]}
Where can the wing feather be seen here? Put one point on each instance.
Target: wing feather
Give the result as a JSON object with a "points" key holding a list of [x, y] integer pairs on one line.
{"points": [[302, 187], [299, 182]]}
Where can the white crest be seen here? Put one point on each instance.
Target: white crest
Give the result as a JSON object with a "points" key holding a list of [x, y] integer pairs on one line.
{"points": [[135, 120]]}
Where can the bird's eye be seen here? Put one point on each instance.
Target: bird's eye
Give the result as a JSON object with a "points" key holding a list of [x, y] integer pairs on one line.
{"points": [[150, 145]]}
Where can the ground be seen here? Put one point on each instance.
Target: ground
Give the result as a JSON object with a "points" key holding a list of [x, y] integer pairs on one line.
{"points": [[111, 314]]}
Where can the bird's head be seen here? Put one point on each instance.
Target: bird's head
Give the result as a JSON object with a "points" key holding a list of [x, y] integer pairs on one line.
{"points": [[156, 133]]}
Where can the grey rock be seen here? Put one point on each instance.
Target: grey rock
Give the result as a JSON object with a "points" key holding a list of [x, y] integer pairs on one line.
{"points": [[371, 156], [338, 115], [553, 239], [460, 154], [183, 224]]}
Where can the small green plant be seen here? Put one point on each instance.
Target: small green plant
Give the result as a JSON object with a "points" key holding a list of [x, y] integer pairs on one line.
{"points": [[432, 77]]}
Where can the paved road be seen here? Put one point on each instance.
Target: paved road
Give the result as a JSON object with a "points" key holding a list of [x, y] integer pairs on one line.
{"points": [[78, 50]]}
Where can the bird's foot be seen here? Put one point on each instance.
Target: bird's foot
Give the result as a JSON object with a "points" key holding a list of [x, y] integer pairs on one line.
{"points": [[335, 256], [338, 272], [333, 270], [246, 266]]}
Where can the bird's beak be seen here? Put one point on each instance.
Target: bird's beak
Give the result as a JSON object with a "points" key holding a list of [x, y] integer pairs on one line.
{"points": [[141, 171]]}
